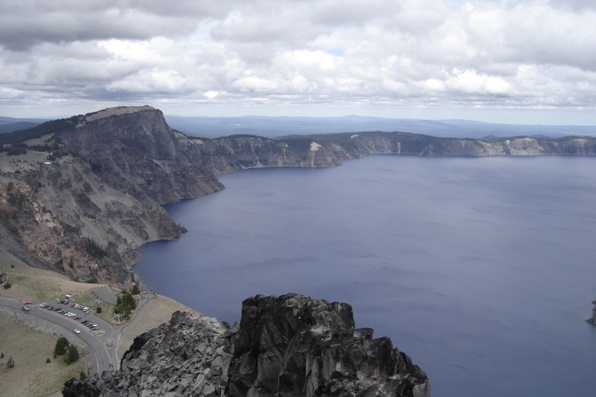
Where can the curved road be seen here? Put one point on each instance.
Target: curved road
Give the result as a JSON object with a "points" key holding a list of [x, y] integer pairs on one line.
{"points": [[105, 357]]}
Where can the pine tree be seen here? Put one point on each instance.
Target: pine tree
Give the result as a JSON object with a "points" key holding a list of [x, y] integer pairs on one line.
{"points": [[61, 346], [73, 354]]}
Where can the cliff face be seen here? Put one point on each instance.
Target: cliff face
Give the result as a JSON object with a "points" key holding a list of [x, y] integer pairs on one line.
{"points": [[295, 346], [290, 345], [86, 211]]}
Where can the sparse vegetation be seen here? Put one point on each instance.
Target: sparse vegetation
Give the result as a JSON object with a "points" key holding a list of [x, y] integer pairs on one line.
{"points": [[16, 140], [4, 280], [94, 249], [135, 290], [10, 362]]}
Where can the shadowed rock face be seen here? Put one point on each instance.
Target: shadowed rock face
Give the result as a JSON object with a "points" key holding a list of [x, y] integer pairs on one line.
{"points": [[296, 346], [290, 345]]}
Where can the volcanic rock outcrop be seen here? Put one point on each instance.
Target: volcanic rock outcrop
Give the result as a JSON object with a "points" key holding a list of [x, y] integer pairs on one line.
{"points": [[290, 345]]}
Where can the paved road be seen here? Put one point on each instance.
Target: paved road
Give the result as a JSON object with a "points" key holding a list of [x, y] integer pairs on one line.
{"points": [[104, 353]]}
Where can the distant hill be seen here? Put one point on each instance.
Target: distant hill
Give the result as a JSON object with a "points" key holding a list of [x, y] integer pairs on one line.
{"points": [[22, 125], [281, 126], [9, 124]]}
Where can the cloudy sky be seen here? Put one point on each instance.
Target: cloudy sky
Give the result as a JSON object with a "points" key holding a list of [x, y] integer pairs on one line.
{"points": [[502, 60]]}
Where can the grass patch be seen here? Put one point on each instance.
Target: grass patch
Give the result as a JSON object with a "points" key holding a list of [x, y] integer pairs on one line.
{"points": [[40, 289], [31, 375]]}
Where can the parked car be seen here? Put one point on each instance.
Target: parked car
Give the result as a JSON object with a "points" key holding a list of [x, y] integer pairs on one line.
{"points": [[57, 309], [27, 303], [43, 305], [77, 318]]}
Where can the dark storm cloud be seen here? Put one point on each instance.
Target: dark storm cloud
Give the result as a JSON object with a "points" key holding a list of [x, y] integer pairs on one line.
{"points": [[26, 23]]}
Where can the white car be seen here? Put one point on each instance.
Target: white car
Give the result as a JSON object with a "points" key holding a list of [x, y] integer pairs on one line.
{"points": [[76, 331]]}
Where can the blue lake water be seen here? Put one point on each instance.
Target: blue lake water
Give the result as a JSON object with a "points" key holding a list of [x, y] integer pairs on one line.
{"points": [[481, 269]]}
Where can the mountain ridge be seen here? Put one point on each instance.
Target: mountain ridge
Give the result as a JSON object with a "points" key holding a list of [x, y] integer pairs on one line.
{"points": [[99, 180]]}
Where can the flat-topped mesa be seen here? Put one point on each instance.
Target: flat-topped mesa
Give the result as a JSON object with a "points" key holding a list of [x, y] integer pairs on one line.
{"points": [[116, 111], [140, 129]]}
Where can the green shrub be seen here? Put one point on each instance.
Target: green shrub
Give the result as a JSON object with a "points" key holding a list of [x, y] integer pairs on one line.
{"points": [[73, 354], [48, 361], [61, 347]]}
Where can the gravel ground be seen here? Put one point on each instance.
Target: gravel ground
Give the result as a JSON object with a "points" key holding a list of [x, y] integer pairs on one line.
{"points": [[106, 294]]}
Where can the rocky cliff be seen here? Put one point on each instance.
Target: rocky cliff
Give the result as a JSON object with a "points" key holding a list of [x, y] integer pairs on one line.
{"points": [[82, 194], [290, 345]]}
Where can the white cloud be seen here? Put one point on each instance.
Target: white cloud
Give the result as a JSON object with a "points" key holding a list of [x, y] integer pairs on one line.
{"points": [[492, 53]]}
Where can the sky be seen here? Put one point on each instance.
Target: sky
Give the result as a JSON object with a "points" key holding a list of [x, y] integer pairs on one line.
{"points": [[507, 61]]}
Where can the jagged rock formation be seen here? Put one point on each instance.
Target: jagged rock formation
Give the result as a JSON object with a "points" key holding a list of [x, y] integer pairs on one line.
{"points": [[290, 345], [98, 199], [592, 319], [188, 356], [295, 346]]}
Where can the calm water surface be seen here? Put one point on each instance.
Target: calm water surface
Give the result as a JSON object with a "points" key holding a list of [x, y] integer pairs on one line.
{"points": [[481, 269]]}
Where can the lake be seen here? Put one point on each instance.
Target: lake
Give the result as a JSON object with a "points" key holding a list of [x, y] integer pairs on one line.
{"points": [[481, 269]]}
